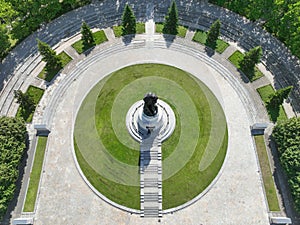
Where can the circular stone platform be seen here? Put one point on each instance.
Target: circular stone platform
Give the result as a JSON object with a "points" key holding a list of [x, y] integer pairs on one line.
{"points": [[137, 122]]}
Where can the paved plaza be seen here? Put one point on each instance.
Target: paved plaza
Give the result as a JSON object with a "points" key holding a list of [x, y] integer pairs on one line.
{"points": [[236, 196]]}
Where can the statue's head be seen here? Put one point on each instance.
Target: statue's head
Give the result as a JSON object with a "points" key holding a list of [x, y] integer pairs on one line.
{"points": [[150, 107]]}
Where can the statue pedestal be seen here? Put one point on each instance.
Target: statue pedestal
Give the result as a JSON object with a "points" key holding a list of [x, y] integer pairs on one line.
{"points": [[140, 126]]}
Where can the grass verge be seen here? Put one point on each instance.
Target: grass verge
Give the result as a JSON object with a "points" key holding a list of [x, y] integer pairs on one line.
{"points": [[49, 75], [140, 29], [201, 36], [236, 58], [275, 114], [35, 94], [181, 29], [35, 175], [99, 38], [266, 173]]}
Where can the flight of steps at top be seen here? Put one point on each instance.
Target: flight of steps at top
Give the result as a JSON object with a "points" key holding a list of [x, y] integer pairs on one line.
{"points": [[151, 178]]}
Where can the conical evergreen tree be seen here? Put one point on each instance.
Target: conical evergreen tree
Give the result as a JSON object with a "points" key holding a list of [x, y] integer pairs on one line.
{"points": [[250, 59], [277, 98], [171, 20], [87, 36], [128, 21], [49, 56], [24, 100], [213, 34]]}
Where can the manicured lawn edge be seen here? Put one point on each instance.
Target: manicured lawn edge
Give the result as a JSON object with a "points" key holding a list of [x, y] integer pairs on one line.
{"points": [[266, 173], [275, 114], [35, 175], [106, 186], [181, 29], [36, 94], [236, 58], [99, 37], [201, 36], [140, 29], [49, 75]]}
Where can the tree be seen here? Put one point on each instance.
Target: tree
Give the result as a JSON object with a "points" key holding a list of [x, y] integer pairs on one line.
{"points": [[87, 36], [250, 59], [128, 21], [277, 98], [49, 56], [287, 138], [171, 20], [4, 42], [213, 34], [24, 100], [287, 134], [13, 138]]}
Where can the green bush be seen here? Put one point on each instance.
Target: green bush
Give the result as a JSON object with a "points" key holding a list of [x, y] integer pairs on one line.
{"points": [[287, 138], [12, 146]]}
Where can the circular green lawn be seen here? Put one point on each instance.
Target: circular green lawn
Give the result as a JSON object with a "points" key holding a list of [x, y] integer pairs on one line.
{"points": [[109, 157]]}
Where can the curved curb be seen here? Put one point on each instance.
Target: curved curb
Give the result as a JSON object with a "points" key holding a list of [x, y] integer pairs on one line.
{"points": [[94, 59]]}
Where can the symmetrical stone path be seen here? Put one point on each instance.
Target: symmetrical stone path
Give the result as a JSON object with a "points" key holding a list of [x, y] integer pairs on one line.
{"points": [[151, 176]]}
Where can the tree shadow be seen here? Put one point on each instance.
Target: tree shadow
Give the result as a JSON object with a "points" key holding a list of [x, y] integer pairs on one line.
{"points": [[127, 39], [273, 112], [89, 50], [169, 39], [209, 51], [244, 77]]}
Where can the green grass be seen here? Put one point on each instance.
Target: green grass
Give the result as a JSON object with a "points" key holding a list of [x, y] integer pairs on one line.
{"points": [[275, 114], [181, 29], [122, 194], [140, 28], [99, 38], [65, 58], [266, 174], [201, 36], [117, 31], [35, 175], [36, 94], [186, 182], [49, 75], [236, 58], [159, 28]]}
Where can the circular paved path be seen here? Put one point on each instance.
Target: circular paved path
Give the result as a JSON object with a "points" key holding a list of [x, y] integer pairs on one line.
{"points": [[236, 198]]}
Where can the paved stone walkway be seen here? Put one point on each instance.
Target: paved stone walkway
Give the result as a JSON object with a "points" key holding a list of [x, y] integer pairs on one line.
{"points": [[237, 196], [151, 177]]}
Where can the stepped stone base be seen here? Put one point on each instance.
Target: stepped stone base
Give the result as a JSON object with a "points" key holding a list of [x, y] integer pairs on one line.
{"points": [[138, 124]]}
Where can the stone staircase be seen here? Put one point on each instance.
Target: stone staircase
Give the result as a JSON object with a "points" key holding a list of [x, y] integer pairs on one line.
{"points": [[151, 177]]}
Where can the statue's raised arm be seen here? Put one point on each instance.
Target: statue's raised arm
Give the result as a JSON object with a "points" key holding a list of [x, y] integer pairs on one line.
{"points": [[150, 107]]}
